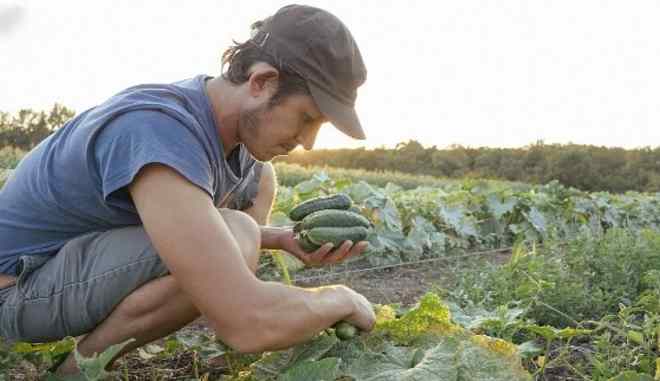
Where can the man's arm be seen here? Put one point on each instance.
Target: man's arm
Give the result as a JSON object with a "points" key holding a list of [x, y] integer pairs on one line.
{"points": [[198, 248]]}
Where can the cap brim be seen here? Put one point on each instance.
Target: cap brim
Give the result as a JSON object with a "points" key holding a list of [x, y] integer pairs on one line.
{"points": [[341, 115]]}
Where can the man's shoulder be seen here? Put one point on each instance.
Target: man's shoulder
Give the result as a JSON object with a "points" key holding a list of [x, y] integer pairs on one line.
{"points": [[176, 94]]}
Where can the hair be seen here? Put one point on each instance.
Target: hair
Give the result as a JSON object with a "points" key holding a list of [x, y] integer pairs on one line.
{"points": [[239, 58]]}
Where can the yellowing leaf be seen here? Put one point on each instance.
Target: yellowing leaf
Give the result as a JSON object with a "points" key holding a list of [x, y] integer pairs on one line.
{"points": [[430, 317], [496, 345]]}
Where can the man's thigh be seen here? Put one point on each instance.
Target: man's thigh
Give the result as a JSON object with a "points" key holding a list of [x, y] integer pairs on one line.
{"points": [[75, 290]]}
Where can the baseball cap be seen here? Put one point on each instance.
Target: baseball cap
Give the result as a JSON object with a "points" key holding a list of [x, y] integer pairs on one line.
{"points": [[317, 46]]}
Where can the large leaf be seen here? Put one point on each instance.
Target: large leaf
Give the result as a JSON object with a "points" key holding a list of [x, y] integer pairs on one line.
{"points": [[484, 358], [458, 219], [317, 370], [430, 317], [360, 192], [449, 358], [275, 363], [538, 221], [500, 208], [93, 367], [409, 364]]}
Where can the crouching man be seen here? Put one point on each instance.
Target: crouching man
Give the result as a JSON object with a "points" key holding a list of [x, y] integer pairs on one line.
{"points": [[151, 208]]}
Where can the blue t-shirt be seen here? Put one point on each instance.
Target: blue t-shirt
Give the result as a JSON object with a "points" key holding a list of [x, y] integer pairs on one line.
{"points": [[74, 181]]}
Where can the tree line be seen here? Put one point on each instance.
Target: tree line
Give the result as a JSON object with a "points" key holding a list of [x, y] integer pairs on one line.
{"points": [[586, 167], [26, 128], [590, 168]]}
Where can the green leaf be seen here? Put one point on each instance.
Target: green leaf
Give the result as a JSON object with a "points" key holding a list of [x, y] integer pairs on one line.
{"points": [[490, 359], [396, 364], [458, 219], [321, 370], [54, 377], [500, 208], [274, 363], [552, 333], [538, 221], [449, 358], [631, 375], [529, 349], [93, 367], [280, 219], [360, 192], [309, 187]]}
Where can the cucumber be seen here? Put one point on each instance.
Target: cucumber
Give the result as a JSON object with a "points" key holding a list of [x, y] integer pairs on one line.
{"points": [[355, 209], [337, 201], [345, 331], [307, 245], [333, 218], [337, 235]]}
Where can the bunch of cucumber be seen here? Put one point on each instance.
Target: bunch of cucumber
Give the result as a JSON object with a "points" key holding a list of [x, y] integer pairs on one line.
{"points": [[328, 219]]}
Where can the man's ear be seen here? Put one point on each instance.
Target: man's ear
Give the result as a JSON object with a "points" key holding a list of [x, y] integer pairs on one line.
{"points": [[263, 80]]}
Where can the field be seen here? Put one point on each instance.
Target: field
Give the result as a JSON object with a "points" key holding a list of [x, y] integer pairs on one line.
{"points": [[472, 280]]}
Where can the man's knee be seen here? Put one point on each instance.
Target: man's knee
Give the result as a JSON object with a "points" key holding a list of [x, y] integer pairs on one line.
{"points": [[266, 192], [268, 182], [247, 234]]}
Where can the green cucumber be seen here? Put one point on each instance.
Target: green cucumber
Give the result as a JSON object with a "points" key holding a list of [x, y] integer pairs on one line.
{"points": [[307, 245], [333, 218], [355, 209], [337, 201], [345, 330], [336, 235]]}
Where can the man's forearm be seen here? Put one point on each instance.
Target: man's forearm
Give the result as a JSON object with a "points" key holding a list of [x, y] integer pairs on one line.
{"points": [[271, 237], [292, 315]]}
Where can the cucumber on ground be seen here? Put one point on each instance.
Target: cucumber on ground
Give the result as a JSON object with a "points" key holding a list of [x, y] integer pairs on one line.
{"points": [[345, 331], [336, 235], [337, 201], [333, 218]]}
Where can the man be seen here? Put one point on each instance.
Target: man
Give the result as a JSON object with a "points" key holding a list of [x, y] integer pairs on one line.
{"points": [[122, 225]]}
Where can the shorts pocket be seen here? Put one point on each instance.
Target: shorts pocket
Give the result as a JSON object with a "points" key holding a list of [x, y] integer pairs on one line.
{"points": [[27, 264]]}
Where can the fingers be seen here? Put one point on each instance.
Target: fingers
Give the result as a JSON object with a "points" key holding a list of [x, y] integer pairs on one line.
{"points": [[326, 255], [316, 258], [339, 254]]}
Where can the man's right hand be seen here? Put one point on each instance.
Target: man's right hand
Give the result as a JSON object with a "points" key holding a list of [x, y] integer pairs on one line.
{"points": [[363, 315]]}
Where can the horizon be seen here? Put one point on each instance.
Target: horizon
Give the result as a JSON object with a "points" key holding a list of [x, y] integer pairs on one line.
{"points": [[483, 75]]}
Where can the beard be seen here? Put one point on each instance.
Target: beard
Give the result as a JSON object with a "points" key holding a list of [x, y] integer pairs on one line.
{"points": [[250, 130]]}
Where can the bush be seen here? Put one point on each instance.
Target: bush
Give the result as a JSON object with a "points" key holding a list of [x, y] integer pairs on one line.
{"points": [[583, 279]]}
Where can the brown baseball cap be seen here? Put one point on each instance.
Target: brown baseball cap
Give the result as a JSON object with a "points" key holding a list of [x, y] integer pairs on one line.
{"points": [[316, 45]]}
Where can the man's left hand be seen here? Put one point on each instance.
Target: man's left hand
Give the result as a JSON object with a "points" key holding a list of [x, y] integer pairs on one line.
{"points": [[325, 255]]}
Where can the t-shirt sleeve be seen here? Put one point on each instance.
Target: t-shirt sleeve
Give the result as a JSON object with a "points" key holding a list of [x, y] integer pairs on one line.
{"points": [[137, 138]]}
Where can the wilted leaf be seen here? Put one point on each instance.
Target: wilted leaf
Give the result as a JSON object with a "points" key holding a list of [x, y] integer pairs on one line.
{"points": [[430, 317]]}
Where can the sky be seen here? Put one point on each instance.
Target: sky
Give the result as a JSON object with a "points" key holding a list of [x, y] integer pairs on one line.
{"points": [[471, 72]]}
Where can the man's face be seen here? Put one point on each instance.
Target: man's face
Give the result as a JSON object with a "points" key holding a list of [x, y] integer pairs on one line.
{"points": [[272, 131]]}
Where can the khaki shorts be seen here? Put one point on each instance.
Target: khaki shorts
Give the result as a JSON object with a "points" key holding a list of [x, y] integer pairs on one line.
{"points": [[72, 292]]}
